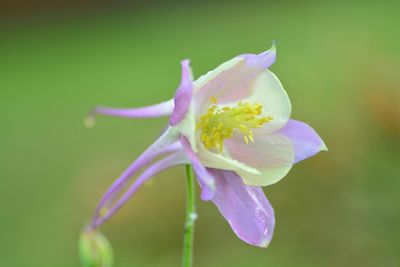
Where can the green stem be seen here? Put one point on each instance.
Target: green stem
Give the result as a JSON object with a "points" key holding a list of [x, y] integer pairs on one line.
{"points": [[190, 218]]}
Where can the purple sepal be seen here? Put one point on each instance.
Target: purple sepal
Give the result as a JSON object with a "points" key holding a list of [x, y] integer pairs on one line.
{"points": [[263, 60], [245, 208], [205, 179], [165, 144], [174, 159], [152, 111], [183, 95], [305, 140]]}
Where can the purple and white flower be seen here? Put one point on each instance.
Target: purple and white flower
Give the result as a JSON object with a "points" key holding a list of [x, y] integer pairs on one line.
{"points": [[233, 125]]}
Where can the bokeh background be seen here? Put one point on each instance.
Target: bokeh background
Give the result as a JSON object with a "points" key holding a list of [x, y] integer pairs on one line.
{"points": [[338, 60]]}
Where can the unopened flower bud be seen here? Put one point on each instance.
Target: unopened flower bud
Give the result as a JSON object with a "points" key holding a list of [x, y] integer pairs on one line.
{"points": [[95, 250]]}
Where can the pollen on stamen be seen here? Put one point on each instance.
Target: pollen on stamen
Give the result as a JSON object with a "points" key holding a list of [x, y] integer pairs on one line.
{"points": [[219, 123]]}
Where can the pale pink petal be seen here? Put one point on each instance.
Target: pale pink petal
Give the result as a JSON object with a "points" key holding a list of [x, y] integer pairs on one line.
{"points": [[271, 154], [305, 140], [233, 80], [227, 85], [245, 78], [245, 207]]}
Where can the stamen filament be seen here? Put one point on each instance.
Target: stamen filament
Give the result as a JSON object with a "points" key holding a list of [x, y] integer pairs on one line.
{"points": [[219, 123]]}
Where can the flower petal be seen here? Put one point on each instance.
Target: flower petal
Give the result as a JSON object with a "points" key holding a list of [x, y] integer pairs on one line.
{"points": [[214, 83], [245, 207], [269, 92], [245, 78], [271, 154], [174, 159], [222, 161], [305, 140], [166, 143], [232, 80], [206, 180], [157, 110], [183, 95]]}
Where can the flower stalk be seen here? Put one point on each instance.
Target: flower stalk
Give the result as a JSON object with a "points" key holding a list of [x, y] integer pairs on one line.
{"points": [[191, 217]]}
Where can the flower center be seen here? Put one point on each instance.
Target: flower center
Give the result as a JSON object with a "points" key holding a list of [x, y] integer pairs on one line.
{"points": [[219, 123]]}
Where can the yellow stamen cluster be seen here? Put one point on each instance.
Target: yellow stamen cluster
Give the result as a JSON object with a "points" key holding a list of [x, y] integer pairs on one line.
{"points": [[219, 123]]}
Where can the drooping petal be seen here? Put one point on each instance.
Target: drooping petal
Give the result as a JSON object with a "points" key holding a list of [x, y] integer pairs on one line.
{"points": [[206, 180], [166, 143], [305, 140], [245, 207], [174, 159], [183, 95], [157, 110], [271, 154]]}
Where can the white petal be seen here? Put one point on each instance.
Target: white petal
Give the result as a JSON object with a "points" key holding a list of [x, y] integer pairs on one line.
{"points": [[269, 92], [272, 155], [221, 161]]}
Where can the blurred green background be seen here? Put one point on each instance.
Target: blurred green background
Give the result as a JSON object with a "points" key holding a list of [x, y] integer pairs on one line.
{"points": [[339, 62]]}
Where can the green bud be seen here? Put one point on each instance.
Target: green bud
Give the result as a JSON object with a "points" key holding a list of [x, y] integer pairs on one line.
{"points": [[95, 250]]}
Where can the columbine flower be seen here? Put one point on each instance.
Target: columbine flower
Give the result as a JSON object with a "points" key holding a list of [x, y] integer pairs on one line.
{"points": [[233, 126]]}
